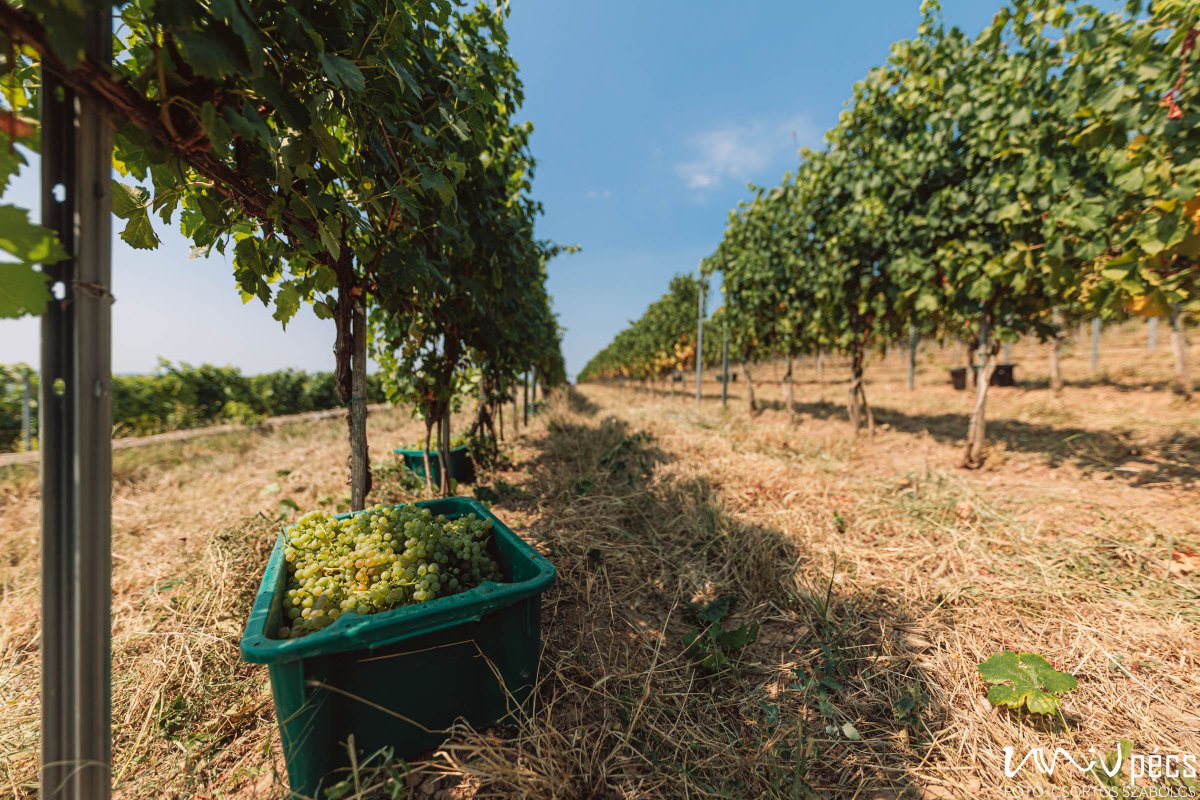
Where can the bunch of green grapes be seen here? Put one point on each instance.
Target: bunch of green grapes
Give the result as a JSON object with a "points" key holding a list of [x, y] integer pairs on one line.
{"points": [[380, 559], [456, 441]]}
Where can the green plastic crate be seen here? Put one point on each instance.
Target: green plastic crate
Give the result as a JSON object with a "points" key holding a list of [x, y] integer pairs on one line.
{"points": [[462, 467], [398, 679]]}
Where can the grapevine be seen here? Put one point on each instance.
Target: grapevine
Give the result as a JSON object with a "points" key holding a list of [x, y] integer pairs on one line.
{"points": [[981, 188]]}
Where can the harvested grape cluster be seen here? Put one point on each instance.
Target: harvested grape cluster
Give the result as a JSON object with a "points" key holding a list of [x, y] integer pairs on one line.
{"points": [[382, 558]]}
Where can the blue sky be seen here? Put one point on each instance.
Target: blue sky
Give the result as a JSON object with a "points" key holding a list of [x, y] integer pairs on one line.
{"points": [[650, 118]]}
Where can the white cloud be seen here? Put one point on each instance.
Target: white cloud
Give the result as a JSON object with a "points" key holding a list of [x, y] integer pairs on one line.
{"points": [[594, 194], [743, 151]]}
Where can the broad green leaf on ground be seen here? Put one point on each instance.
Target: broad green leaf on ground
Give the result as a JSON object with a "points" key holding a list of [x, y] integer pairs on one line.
{"points": [[1025, 679], [738, 638], [714, 610]]}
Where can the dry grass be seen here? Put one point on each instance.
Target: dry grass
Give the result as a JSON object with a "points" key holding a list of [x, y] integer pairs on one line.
{"points": [[877, 570], [193, 523]]}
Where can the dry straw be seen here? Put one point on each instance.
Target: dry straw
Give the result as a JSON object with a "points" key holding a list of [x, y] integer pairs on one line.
{"points": [[880, 575]]}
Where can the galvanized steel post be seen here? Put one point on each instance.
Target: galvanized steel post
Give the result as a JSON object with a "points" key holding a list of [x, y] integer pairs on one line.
{"points": [[700, 341], [75, 434], [725, 367], [26, 431]]}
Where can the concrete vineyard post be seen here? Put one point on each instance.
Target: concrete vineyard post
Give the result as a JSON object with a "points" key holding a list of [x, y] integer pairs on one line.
{"points": [[1179, 347], [1152, 334], [1095, 363]]}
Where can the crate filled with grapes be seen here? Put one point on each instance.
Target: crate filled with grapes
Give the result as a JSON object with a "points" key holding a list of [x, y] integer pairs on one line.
{"points": [[382, 628], [462, 465]]}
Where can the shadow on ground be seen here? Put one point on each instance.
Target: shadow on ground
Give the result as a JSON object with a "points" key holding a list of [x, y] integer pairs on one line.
{"points": [[770, 699], [1171, 459]]}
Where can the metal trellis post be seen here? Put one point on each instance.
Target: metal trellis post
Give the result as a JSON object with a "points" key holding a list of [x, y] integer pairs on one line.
{"points": [[700, 343], [912, 357], [26, 433], [724, 368], [74, 432]]}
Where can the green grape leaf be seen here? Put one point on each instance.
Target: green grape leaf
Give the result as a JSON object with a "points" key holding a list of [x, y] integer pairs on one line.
{"points": [[438, 183], [230, 11], [255, 268], [28, 242], [139, 232], [342, 72], [131, 203], [904, 706], [327, 146], [287, 303], [714, 610], [328, 240], [737, 638], [926, 302], [23, 291], [211, 55], [1025, 679]]}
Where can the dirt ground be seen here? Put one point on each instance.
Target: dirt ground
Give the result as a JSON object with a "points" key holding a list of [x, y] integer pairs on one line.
{"points": [[879, 574]]}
